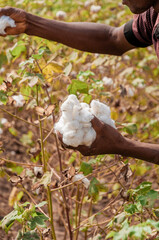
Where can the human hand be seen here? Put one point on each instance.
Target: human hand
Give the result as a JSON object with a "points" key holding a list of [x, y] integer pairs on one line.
{"points": [[108, 140], [20, 18]]}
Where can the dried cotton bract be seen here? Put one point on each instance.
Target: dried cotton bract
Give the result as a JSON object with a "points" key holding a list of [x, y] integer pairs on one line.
{"points": [[6, 21], [75, 121]]}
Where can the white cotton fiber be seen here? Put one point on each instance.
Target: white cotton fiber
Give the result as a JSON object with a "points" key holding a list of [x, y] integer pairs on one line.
{"points": [[75, 121], [85, 180], [6, 21], [89, 137], [18, 100]]}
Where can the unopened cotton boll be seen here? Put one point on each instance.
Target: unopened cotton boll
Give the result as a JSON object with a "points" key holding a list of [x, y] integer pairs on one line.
{"points": [[6, 21]]}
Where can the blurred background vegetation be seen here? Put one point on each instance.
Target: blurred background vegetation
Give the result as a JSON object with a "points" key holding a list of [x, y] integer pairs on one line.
{"points": [[44, 73]]}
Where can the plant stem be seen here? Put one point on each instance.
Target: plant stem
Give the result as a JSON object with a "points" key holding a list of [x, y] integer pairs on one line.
{"points": [[60, 161], [63, 190], [50, 207], [89, 213], [79, 212], [77, 207], [49, 199], [23, 120]]}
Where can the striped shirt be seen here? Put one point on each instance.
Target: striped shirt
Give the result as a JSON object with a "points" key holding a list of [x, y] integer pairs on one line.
{"points": [[143, 30]]}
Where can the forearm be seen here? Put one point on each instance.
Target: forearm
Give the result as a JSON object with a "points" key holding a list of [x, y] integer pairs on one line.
{"points": [[144, 151], [90, 37]]}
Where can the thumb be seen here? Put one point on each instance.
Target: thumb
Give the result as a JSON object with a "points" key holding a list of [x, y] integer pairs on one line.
{"points": [[97, 124]]}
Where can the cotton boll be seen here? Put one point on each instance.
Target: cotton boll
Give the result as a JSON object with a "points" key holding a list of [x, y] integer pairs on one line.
{"points": [[107, 81], [112, 123], [85, 105], [79, 136], [61, 14], [98, 108], [18, 100], [73, 125], [6, 21], [76, 112], [95, 8], [67, 116], [75, 122], [108, 121], [85, 116], [86, 125], [88, 3], [3, 121], [74, 99], [71, 142], [70, 134], [89, 137], [79, 177], [59, 126], [67, 106]]}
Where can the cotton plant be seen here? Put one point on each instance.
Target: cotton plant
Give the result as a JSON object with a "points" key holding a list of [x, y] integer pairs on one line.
{"points": [[75, 121], [5, 22]]}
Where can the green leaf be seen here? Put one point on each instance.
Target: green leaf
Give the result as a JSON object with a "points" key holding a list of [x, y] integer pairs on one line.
{"points": [[3, 97], [13, 131], [72, 158], [38, 220], [86, 168], [32, 235], [41, 204], [131, 208], [77, 86], [153, 224], [143, 188], [8, 220], [46, 178], [3, 59], [85, 74], [130, 128], [93, 188], [17, 49], [26, 139]]}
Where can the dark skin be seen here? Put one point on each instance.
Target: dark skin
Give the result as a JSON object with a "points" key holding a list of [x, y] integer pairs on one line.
{"points": [[95, 38]]}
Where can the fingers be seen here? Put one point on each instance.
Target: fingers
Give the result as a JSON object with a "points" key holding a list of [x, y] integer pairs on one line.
{"points": [[20, 28], [6, 11]]}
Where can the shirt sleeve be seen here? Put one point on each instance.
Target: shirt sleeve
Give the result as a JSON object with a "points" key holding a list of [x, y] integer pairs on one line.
{"points": [[138, 31]]}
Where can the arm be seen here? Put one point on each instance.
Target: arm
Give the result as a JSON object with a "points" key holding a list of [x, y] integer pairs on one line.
{"points": [[110, 141], [144, 151], [90, 37]]}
